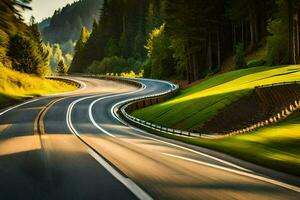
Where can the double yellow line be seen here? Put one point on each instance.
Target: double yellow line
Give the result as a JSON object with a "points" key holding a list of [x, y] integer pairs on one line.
{"points": [[39, 127]]}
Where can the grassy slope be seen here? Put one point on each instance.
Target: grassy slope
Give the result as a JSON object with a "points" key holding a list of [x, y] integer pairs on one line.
{"points": [[15, 86], [276, 146], [199, 103]]}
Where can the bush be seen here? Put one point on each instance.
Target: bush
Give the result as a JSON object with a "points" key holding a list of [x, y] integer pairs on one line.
{"points": [[256, 63], [23, 55], [240, 56], [109, 65], [277, 43]]}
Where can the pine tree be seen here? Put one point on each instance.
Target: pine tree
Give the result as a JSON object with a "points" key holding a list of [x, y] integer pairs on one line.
{"points": [[79, 49], [84, 36], [61, 67]]}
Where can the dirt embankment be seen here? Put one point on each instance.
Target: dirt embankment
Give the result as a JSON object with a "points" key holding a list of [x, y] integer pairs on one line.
{"points": [[261, 104]]}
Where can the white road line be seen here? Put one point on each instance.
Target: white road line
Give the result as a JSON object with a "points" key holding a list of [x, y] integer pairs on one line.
{"points": [[264, 179], [102, 98], [83, 87], [128, 183], [135, 189], [171, 144], [19, 105], [243, 172]]}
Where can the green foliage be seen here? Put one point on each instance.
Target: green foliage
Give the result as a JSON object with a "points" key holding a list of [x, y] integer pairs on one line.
{"points": [[68, 59], [121, 32], [79, 49], [66, 23], [55, 55], [25, 55], [240, 56], [178, 45], [160, 54], [112, 48], [115, 65], [61, 68], [109, 65], [256, 63], [84, 36], [199, 103], [277, 42], [15, 85]]}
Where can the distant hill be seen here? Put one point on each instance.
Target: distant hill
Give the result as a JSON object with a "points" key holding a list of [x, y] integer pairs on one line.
{"points": [[66, 23], [45, 23]]}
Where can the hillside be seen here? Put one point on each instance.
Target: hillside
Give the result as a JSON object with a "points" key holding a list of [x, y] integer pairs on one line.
{"points": [[66, 23], [196, 105], [15, 86]]}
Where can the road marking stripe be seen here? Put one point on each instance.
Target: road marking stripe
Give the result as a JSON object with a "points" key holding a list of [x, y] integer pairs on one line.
{"points": [[106, 97], [135, 189], [48, 107], [272, 181], [264, 179], [38, 122], [19, 105], [170, 144], [128, 183], [83, 87]]}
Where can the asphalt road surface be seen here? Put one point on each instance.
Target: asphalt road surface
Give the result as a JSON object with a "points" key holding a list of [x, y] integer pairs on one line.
{"points": [[72, 146]]}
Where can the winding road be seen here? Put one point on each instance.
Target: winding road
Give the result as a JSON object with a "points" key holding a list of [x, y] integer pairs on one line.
{"points": [[73, 146]]}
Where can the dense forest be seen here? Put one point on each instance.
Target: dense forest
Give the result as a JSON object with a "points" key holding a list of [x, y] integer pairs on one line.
{"points": [[66, 23], [188, 39], [165, 39], [21, 45], [62, 29]]}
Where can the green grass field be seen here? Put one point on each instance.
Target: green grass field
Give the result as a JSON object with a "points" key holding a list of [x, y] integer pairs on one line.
{"points": [[15, 86], [201, 102], [275, 147]]}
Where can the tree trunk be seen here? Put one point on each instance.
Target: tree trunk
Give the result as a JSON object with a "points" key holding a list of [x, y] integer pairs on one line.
{"points": [[290, 32], [209, 50], [219, 48], [195, 66], [297, 38], [295, 53], [243, 38], [188, 77], [255, 31], [233, 36], [252, 31]]}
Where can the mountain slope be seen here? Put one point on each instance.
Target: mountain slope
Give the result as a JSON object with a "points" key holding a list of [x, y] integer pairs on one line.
{"points": [[66, 23]]}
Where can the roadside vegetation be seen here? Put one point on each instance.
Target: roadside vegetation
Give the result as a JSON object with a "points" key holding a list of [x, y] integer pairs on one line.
{"points": [[275, 147], [197, 104], [16, 86], [24, 58]]}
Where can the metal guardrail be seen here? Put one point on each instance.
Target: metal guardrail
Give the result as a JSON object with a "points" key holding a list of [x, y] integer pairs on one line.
{"points": [[66, 80], [172, 92], [286, 112]]}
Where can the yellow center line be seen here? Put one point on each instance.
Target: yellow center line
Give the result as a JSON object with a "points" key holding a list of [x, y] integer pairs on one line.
{"points": [[39, 127]]}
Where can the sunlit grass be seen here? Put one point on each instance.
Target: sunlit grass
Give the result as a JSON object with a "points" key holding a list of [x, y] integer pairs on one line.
{"points": [[201, 102], [275, 147], [16, 86]]}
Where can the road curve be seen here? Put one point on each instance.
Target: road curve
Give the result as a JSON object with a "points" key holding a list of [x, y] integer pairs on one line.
{"points": [[72, 146]]}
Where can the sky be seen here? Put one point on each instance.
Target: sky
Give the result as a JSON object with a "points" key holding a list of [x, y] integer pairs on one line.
{"points": [[42, 9]]}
